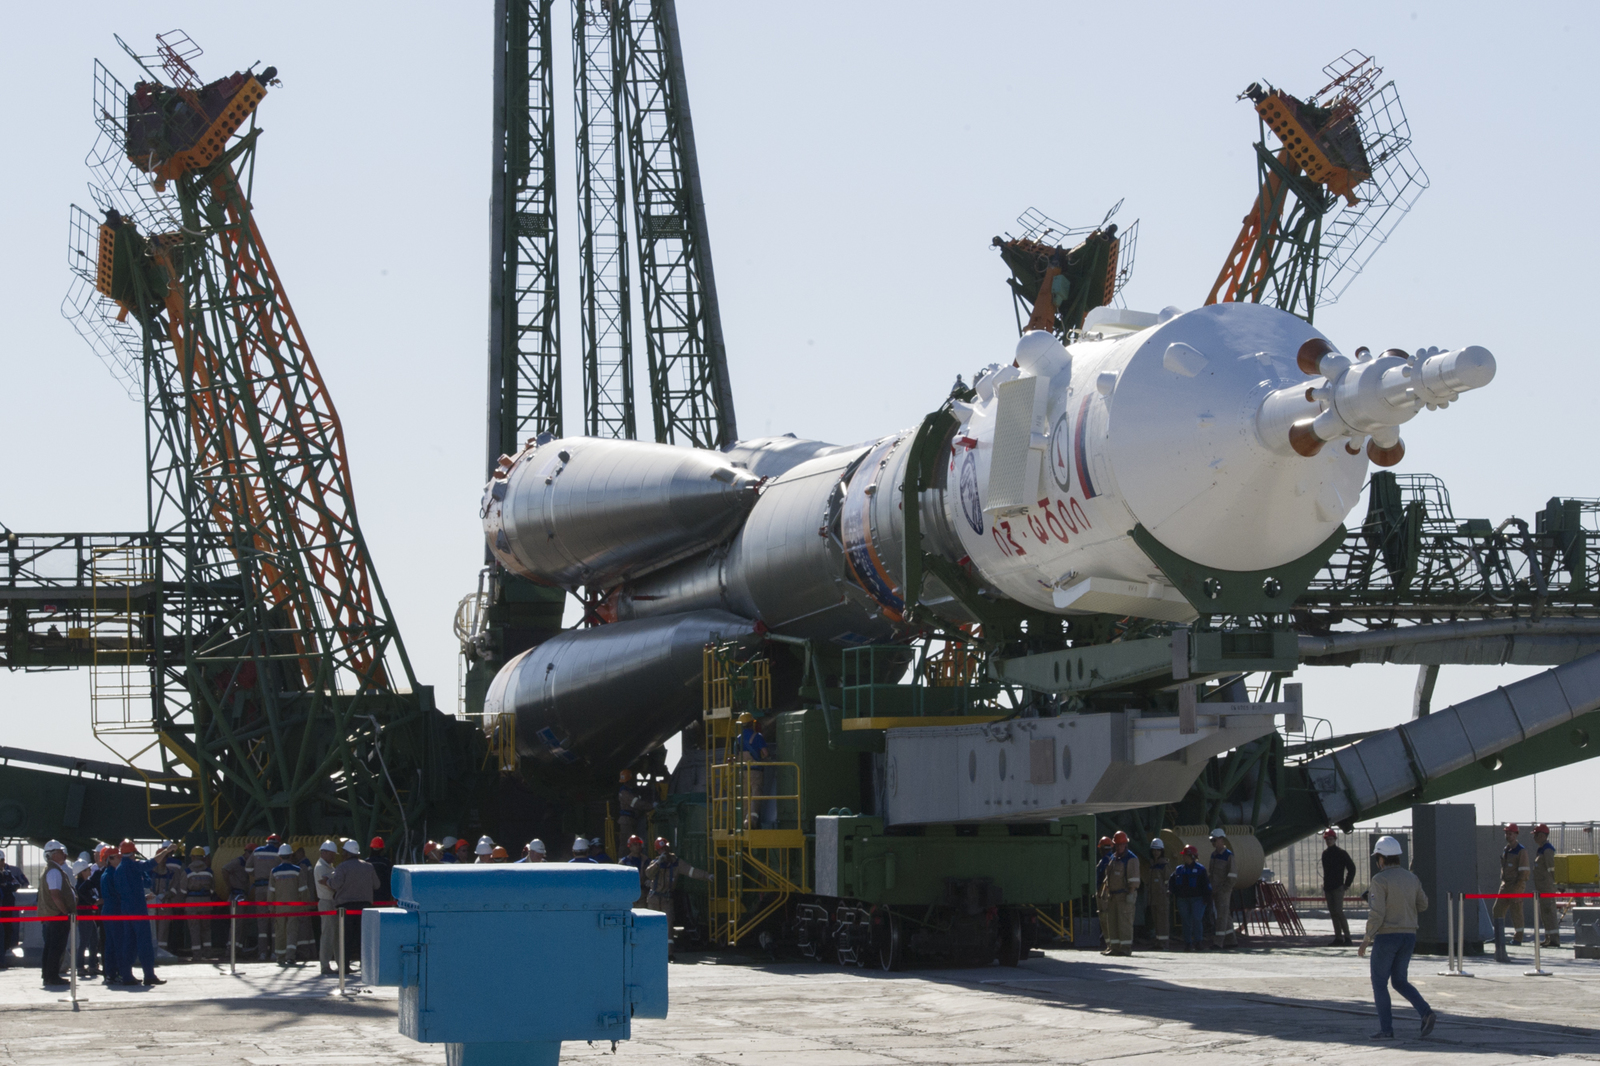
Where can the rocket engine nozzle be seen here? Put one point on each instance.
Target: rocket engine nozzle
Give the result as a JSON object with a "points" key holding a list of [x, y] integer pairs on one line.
{"points": [[1366, 398]]}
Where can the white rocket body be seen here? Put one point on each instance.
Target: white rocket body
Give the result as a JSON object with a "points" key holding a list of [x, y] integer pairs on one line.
{"points": [[1157, 428], [1233, 434]]}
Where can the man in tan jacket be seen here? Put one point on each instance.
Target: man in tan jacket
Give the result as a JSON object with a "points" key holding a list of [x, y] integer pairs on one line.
{"points": [[1394, 899]]}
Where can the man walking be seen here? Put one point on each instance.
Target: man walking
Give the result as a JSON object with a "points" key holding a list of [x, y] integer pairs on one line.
{"points": [[1514, 871], [57, 900], [1117, 891], [1192, 887], [1394, 899], [1223, 872], [1338, 874]]}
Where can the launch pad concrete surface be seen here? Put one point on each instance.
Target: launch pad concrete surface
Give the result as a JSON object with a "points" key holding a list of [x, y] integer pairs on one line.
{"points": [[1275, 1005]]}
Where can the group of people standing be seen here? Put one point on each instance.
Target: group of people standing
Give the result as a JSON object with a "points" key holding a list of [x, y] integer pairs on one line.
{"points": [[115, 886], [1196, 888]]}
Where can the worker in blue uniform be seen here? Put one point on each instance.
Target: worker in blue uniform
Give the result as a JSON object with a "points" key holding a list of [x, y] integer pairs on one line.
{"points": [[1191, 887], [116, 957], [580, 851], [11, 879], [132, 878]]}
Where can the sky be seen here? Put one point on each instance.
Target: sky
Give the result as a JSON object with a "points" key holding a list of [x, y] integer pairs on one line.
{"points": [[856, 160]]}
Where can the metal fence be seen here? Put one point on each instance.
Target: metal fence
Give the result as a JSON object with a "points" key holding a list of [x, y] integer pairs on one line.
{"points": [[1299, 866]]}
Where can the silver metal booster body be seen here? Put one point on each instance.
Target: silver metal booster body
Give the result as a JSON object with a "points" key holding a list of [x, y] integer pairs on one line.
{"points": [[606, 695]]}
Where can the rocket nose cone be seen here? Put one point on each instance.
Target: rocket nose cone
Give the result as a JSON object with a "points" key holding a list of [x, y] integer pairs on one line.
{"points": [[1474, 367], [704, 488]]}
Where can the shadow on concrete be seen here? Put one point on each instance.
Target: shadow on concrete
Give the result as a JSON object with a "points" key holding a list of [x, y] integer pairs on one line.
{"points": [[1088, 982]]}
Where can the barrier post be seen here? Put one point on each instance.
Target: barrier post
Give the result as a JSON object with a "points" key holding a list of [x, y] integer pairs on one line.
{"points": [[72, 953], [233, 937], [1449, 936], [341, 949], [1538, 940], [1461, 938]]}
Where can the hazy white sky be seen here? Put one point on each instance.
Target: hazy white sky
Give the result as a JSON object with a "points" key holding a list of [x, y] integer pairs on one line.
{"points": [[856, 159]]}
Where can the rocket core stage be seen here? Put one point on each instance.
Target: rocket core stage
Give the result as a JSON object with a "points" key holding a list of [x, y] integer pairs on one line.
{"points": [[1197, 435]]}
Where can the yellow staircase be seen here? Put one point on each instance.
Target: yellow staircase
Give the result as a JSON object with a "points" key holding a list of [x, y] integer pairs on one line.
{"points": [[758, 848]]}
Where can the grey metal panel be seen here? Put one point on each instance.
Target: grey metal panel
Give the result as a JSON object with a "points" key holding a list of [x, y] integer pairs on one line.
{"points": [[827, 877], [771, 456], [1440, 743], [1490, 722], [1353, 774], [1323, 773], [1387, 764], [611, 509], [602, 697], [1539, 702], [1580, 680]]}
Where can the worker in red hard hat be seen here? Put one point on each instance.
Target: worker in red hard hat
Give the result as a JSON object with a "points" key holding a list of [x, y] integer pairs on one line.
{"points": [[1119, 887], [1514, 874], [1338, 874], [1544, 882], [1191, 887], [636, 858], [661, 878], [383, 865]]}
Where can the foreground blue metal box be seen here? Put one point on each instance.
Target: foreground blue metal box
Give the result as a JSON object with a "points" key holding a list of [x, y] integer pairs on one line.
{"points": [[503, 963]]}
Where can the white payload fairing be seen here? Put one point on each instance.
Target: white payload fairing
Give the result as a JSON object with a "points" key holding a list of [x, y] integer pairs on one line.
{"points": [[1236, 436]]}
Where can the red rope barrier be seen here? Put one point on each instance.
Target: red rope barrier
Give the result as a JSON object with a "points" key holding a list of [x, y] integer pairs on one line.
{"points": [[1530, 895], [151, 918]]}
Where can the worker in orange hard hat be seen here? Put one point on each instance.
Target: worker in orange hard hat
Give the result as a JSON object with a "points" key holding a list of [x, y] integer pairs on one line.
{"points": [[1338, 874], [499, 854], [1544, 882], [1119, 886], [1514, 874]]}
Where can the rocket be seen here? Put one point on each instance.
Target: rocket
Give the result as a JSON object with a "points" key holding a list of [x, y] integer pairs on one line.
{"points": [[1236, 435]]}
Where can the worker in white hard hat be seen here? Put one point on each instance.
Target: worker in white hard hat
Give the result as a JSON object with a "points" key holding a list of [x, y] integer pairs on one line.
{"points": [[1158, 894], [56, 900], [1223, 870], [535, 851], [199, 888], [580, 850], [287, 892], [447, 849], [355, 885], [1394, 899], [322, 878], [166, 886], [485, 849]]}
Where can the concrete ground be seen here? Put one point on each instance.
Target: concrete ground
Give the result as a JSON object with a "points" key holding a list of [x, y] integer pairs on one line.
{"points": [[1272, 1004]]}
